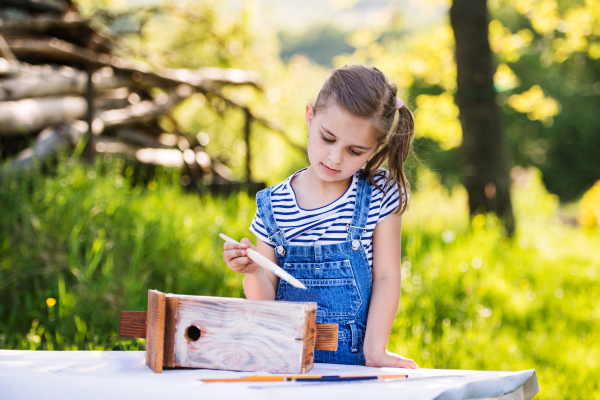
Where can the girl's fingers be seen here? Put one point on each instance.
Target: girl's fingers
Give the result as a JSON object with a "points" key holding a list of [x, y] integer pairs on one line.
{"points": [[392, 360], [247, 244], [239, 261], [230, 246], [235, 256], [231, 254], [407, 363]]}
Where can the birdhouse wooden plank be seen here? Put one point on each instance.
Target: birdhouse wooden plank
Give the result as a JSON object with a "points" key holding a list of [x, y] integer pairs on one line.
{"points": [[228, 333]]}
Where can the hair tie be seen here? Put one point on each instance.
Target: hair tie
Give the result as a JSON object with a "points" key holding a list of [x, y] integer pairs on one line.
{"points": [[399, 103]]}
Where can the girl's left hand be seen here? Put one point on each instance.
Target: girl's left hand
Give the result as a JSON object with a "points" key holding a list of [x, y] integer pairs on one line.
{"points": [[390, 360]]}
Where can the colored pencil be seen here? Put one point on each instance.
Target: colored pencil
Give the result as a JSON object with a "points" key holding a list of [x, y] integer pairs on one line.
{"points": [[308, 378]]}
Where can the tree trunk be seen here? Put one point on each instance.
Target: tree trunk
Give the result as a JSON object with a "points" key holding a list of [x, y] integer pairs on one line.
{"points": [[485, 158]]}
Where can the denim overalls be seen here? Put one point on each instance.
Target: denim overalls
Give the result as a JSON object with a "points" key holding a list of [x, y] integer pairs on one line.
{"points": [[337, 277]]}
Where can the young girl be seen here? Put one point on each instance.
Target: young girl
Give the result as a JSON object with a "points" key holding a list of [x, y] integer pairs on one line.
{"points": [[335, 226]]}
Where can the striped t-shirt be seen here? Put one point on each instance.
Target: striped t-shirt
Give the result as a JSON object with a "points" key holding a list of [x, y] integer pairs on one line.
{"points": [[327, 224]]}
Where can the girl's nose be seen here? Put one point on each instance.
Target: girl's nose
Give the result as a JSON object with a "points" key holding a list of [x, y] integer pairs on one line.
{"points": [[335, 155]]}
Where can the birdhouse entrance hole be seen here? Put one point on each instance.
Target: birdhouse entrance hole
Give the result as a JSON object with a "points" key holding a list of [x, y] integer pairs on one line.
{"points": [[192, 333]]}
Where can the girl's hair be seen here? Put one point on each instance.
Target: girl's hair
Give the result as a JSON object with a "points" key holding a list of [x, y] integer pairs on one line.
{"points": [[366, 93]]}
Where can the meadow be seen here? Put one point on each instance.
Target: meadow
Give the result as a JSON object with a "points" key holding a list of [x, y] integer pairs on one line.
{"points": [[79, 246]]}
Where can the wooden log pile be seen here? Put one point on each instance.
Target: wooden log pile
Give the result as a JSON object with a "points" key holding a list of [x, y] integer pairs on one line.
{"points": [[60, 82]]}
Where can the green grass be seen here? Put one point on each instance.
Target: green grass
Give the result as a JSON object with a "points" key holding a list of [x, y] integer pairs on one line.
{"points": [[471, 297]]}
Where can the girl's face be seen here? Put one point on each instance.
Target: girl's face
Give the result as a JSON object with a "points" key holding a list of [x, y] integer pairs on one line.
{"points": [[339, 143]]}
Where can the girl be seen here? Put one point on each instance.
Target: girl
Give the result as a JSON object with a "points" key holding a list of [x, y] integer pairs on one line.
{"points": [[336, 226]]}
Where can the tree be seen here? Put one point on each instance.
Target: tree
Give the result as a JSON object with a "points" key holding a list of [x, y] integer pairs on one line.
{"points": [[485, 161]]}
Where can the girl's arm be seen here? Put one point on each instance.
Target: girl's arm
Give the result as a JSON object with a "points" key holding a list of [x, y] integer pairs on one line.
{"points": [[259, 284], [385, 295]]}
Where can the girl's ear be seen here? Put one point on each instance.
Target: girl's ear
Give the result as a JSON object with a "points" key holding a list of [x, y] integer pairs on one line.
{"points": [[309, 114]]}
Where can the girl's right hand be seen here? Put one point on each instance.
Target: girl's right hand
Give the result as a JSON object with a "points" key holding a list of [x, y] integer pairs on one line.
{"points": [[236, 257]]}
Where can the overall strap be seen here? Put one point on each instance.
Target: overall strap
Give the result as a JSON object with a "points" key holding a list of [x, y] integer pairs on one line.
{"points": [[364, 191], [265, 209]]}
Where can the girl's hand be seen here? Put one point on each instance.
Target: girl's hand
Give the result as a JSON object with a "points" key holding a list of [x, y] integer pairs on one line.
{"points": [[389, 359], [236, 257]]}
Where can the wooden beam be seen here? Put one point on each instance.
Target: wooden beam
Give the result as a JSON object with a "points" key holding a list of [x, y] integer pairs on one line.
{"points": [[42, 24], [155, 334], [133, 324], [327, 337], [30, 115], [34, 6], [203, 78], [142, 110], [247, 123], [5, 50], [45, 80], [8, 67], [84, 31]]}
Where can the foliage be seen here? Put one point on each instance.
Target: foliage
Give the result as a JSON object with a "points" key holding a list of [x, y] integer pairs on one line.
{"points": [[548, 83], [474, 299], [82, 245], [590, 208], [77, 248]]}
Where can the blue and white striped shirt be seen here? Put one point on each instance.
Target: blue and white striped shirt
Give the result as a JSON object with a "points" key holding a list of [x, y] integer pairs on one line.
{"points": [[327, 224]]}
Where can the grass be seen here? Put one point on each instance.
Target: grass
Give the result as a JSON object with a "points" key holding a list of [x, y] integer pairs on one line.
{"points": [[80, 246]]}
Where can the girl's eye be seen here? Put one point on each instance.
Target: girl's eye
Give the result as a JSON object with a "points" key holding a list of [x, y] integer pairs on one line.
{"points": [[353, 152]]}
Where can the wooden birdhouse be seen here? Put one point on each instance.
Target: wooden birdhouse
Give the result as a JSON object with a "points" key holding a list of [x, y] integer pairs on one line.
{"points": [[228, 333]]}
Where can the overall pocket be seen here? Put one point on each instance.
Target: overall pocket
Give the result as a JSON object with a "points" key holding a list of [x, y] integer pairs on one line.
{"points": [[329, 284]]}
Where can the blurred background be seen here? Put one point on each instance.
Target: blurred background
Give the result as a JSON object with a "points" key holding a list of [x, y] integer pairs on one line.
{"points": [[132, 132]]}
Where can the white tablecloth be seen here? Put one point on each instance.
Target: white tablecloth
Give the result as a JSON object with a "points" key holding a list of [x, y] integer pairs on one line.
{"points": [[102, 375]]}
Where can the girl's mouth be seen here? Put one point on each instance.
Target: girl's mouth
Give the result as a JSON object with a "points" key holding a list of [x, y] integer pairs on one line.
{"points": [[328, 170]]}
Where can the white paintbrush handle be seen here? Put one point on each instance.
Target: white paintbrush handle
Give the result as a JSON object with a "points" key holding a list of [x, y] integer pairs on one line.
{"points": [[266, 263], [274, 268], [228, 239]]}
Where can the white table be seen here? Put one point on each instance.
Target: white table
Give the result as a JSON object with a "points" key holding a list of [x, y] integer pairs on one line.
{"points": [[103, 375]]}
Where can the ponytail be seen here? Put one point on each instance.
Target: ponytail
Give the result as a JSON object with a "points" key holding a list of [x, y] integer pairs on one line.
{"points": [[395, 151]]}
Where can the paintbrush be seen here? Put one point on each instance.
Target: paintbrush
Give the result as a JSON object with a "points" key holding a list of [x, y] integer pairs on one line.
{"points": [[267, 264]]}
